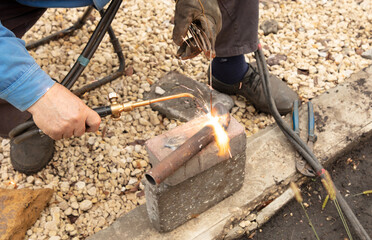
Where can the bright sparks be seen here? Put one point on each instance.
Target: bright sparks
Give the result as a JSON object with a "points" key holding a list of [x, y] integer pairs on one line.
{"points": [[220, 135]]}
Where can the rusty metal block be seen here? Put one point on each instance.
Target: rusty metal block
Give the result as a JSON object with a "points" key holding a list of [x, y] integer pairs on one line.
{"points": [[202, 182]]}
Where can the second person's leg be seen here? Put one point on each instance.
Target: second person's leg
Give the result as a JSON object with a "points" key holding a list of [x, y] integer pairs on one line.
{"points": [[231, 73]]}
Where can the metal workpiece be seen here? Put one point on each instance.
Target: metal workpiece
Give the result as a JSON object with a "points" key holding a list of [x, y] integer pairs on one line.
{"points": [[188, 149]]}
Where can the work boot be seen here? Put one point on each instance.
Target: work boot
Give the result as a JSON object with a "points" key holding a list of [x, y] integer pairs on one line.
{"points": [[251, 88], [32, 154]]}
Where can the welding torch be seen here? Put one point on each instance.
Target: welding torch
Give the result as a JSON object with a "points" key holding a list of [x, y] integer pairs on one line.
{"points": [[27, 129]]}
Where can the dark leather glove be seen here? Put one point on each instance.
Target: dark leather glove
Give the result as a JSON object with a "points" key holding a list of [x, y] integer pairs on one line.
{"points": [[203, 13]]}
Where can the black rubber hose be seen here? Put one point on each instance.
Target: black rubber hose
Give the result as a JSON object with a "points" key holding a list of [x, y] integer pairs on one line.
{"points": [[103, 111], [302, 148], [65, 32], [117, 48], [300, 145], [22, 131], [92, 44]]}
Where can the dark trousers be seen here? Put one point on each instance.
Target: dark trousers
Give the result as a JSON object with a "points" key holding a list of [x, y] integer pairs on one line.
{"points": [[239, 33], [19, 19]]}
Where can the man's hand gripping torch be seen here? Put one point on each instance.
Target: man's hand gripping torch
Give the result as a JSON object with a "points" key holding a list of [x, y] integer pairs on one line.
{"points": [[29, 129]]}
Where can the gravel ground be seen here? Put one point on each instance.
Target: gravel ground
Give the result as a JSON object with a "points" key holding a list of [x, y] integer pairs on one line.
{"points": [[97, 177]]}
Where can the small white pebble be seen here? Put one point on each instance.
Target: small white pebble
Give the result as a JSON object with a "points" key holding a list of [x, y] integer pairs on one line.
{"points": [[69, 227], [159, 91], [86, 205]]}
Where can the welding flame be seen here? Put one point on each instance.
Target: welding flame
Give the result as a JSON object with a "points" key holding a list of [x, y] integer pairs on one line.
{"points": [[220, 135]]}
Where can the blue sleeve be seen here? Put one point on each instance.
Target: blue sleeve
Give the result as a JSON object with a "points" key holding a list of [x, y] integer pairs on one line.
{"points": [[99, 4], [22, 82]]}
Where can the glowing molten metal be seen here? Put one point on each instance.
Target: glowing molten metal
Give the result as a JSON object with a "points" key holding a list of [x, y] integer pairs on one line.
{"points": [[220, 134]]}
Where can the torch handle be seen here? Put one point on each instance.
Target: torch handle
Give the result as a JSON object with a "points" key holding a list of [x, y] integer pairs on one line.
{"points": [[103, 111]]}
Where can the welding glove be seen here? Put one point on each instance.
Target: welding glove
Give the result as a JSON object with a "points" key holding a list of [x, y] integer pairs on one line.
{"points": [[205, 14]]}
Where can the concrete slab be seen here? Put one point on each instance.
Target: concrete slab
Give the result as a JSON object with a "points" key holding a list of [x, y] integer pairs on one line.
{"points": [[343, 116], [170, 206]]}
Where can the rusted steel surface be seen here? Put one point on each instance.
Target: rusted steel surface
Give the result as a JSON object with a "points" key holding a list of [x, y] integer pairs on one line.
{"points": [[187, 150]]}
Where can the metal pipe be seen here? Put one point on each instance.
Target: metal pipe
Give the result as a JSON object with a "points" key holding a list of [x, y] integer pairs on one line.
{"points": [[188, 149]]}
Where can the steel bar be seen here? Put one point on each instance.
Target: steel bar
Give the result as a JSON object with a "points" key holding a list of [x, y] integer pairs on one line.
{"points": [[187, 150]]}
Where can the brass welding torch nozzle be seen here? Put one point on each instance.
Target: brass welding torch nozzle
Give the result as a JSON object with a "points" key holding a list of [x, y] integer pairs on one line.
{"points": [[115, 109], [22, 132]]}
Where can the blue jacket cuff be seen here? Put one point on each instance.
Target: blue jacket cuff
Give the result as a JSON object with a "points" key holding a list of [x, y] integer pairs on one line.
{"points": [[29, 88]]}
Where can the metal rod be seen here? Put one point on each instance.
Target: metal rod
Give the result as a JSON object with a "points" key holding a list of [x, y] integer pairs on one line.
{"points": [[187, 150]]}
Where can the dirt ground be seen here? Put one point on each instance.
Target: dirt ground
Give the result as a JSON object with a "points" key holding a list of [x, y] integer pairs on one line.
{"points": [[352, 174]]}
